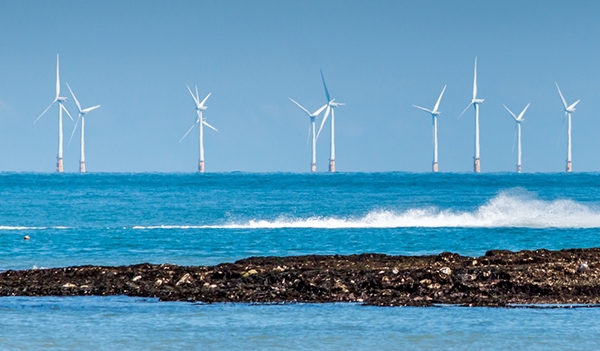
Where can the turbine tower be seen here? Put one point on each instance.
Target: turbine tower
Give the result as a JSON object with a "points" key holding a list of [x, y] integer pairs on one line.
{"points": [[519, 119], [331, 105], [434, 114], [569, 109], [199, 120], [475, 102], [313, 116], [82, 113], [61, 107]]}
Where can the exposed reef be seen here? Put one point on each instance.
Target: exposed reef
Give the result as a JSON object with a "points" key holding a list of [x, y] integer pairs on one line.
{"points": [[498, 278]]}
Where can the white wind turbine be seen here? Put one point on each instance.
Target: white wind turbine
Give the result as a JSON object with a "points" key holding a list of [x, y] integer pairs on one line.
{"points": [[569, 109], [61, 107], [331, 105], [475, 102], [313, 116], [519, 119], [202, 122], [82, 113], [434, 114]]}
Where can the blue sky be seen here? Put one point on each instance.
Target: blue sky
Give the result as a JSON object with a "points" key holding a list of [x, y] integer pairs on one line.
{"points": [[135, 58]]}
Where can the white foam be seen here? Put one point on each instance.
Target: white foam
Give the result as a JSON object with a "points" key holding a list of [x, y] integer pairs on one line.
{"points": [[6, 227], [505, 210]]}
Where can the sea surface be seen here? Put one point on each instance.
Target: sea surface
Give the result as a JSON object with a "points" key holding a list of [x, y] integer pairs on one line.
{"points": [[194, 219]]}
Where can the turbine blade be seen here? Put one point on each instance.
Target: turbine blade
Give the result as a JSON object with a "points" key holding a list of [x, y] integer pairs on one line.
{"points": [[57, 78], [465, 110], [423, 108], [209, 126], [523, 112], [74, 129], [325, 86], [67, 111], [475, 80], [561, 96], [303, 109], [197, 95], [511, 113], [196, 102], [324, 119], [317, 112], [188, 132], [46, 110], [437, 104], [572, 107], [87, 110], [74, 98], [206, 98]]}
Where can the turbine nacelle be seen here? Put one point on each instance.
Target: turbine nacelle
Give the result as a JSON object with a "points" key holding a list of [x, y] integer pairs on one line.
{"points": [[519, 118], [199, 104], [568, 108], [572, 108], [199, 107], [435, 111], [311, 115], [477, 101], [61, 98]]}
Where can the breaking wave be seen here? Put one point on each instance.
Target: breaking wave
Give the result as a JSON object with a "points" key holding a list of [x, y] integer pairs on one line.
{"points": [[6, 227], [504, 210]]}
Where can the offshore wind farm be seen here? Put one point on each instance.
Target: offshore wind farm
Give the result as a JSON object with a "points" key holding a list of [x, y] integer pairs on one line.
{"points": [[437, 158], [313, 134]]}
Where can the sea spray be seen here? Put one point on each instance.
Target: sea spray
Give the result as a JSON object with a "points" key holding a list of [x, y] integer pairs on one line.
{"points": [[517, 209]]}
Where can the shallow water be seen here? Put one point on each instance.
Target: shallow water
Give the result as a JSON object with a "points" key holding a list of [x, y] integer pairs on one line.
{"points": [[192, 219], [118, 323]]}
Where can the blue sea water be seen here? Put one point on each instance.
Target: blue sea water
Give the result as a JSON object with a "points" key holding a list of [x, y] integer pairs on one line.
{"points": [[193, 219]]}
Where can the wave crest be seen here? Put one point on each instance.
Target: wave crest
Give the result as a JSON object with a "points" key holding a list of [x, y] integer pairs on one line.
{"points": [[504, 210]]}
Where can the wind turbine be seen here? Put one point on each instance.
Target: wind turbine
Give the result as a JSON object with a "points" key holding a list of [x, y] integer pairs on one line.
{"points": [[331, 105], [475, 102], [569, 109], [61, 107], [82, 113], [313, 116], [199, 120], [434, 114], [519, 119]]}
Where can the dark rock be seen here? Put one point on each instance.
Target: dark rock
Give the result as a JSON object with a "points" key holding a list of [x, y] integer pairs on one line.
{"points": [[497, 279]]}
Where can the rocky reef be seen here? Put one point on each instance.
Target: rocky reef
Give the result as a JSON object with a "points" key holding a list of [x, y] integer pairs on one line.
{"points": [[498, 278]]}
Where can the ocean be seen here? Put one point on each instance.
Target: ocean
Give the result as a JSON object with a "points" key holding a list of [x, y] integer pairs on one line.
{"points": [[206, 219]]}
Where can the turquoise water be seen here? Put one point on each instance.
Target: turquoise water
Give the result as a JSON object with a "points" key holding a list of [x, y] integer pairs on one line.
{"points": [[192, 219]]}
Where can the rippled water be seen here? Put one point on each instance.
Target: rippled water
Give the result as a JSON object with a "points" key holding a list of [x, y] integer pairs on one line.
{"points": [[121, 323], [193, 219]]}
